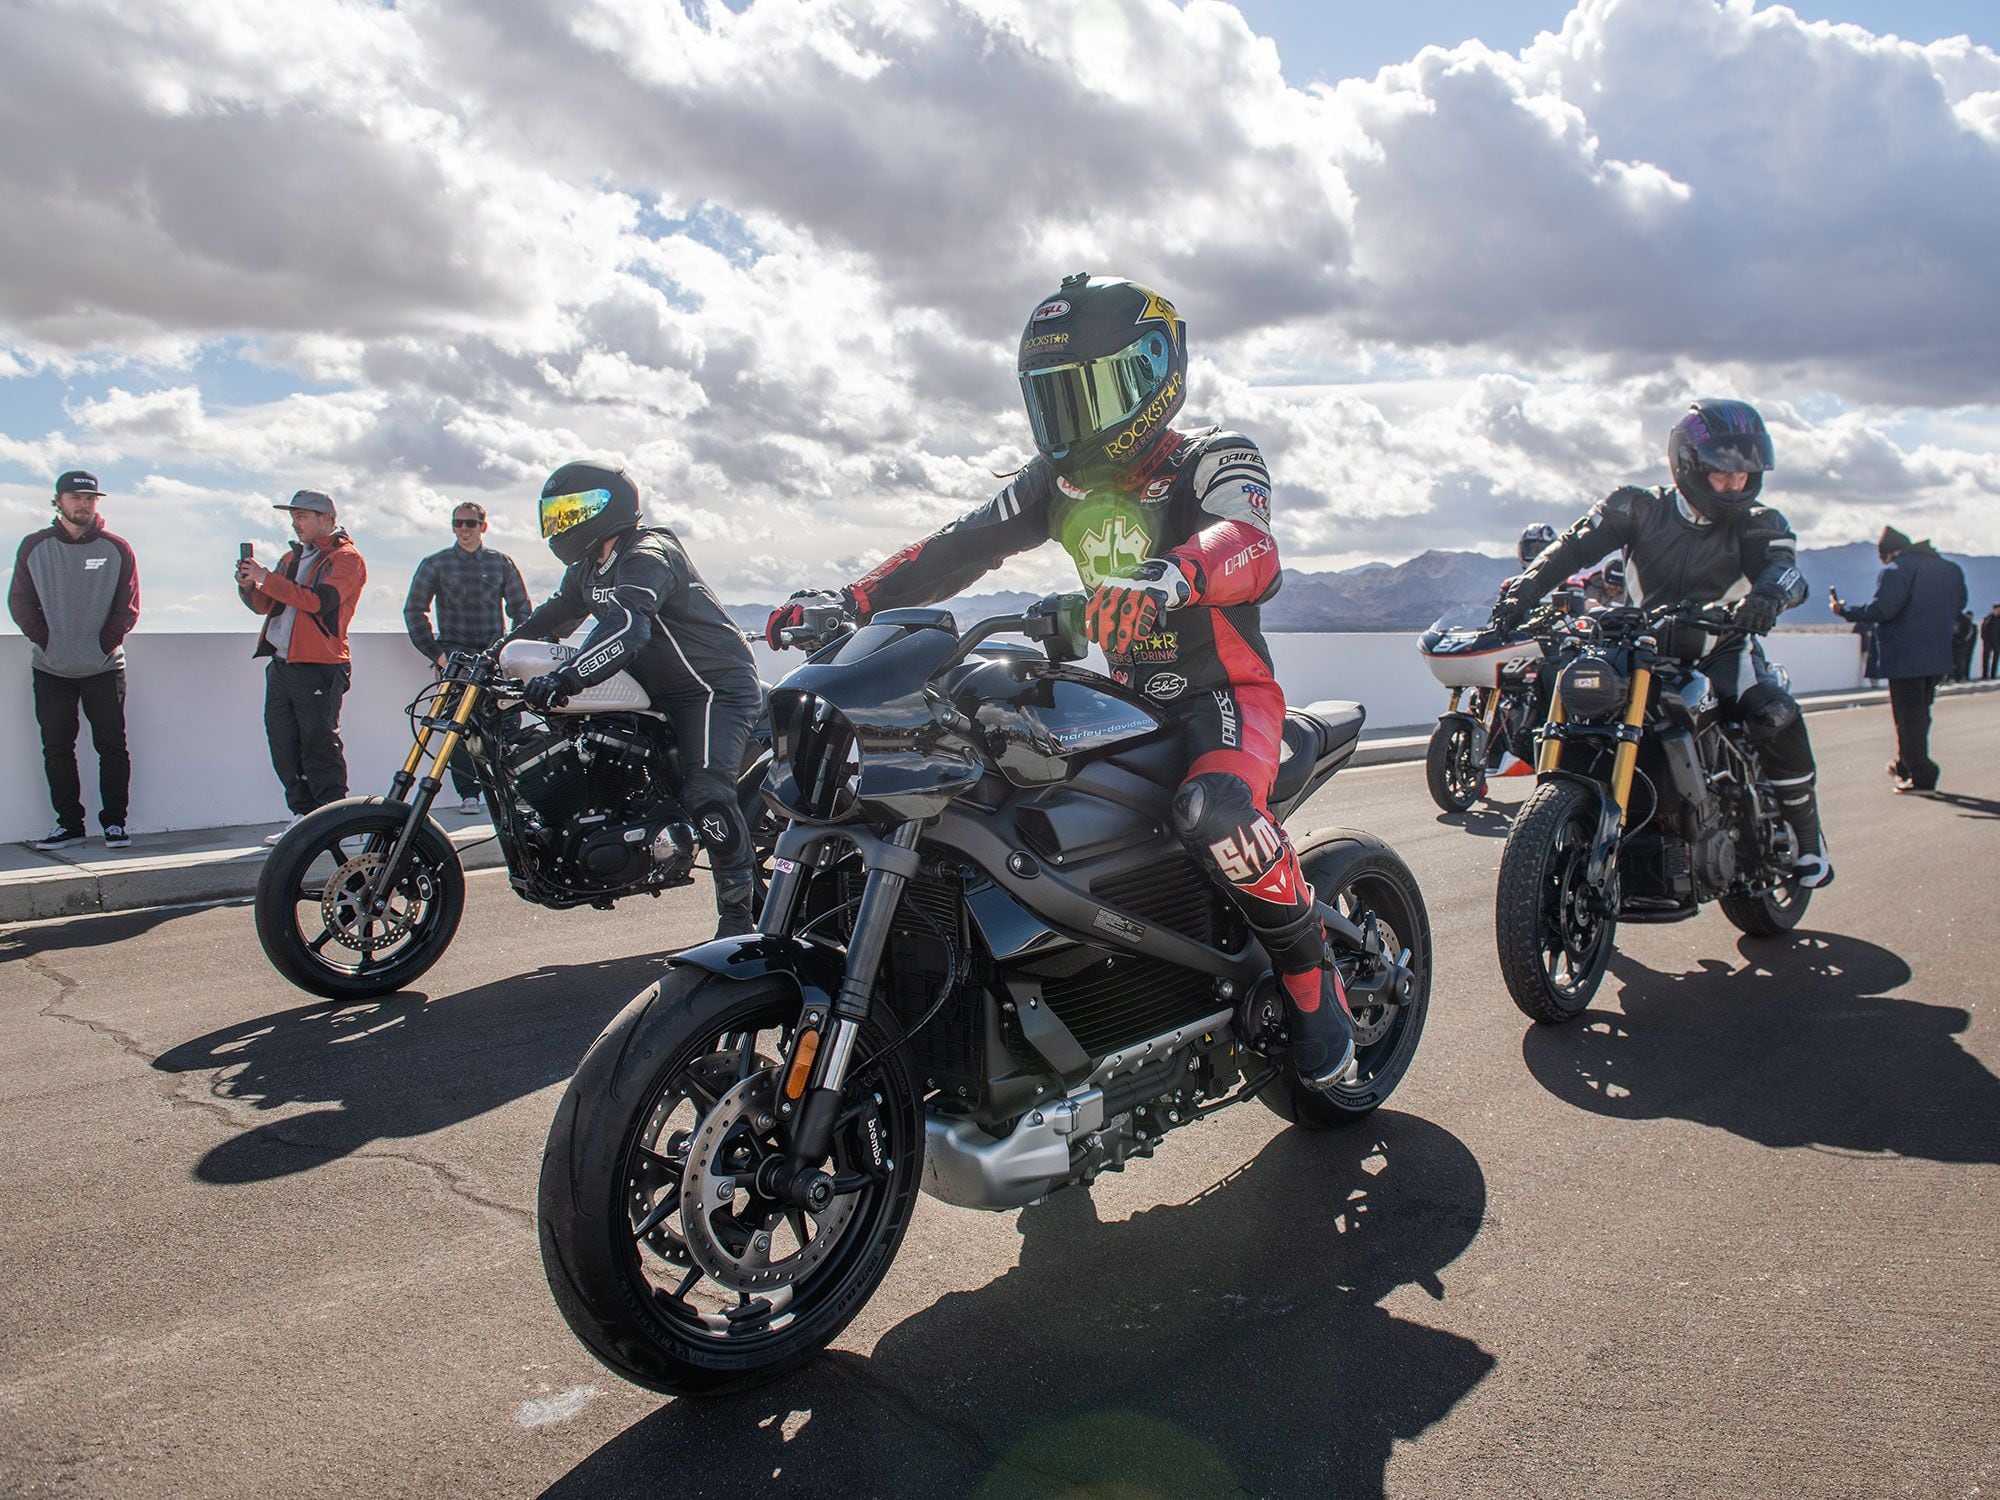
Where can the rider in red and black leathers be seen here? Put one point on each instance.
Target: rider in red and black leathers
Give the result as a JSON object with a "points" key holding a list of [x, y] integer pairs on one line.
{"points": [[1171, 532]]}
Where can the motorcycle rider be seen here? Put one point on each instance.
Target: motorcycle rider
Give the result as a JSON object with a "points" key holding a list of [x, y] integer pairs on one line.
{"points": [[1534, 541], [1171, 532], [657, 620], [1705, 540]]}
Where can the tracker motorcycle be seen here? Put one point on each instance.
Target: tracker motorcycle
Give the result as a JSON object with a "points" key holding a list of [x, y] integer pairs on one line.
{"points": [[986, 969], [1499, 695], [1649, 803], [363, 895]]}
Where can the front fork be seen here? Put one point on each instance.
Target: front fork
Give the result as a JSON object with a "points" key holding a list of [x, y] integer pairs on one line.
{"points": [[376, 898], [815, 1071]]}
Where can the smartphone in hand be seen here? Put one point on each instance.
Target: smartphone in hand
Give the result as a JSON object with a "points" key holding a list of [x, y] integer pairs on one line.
{"points": [[245, 551]]}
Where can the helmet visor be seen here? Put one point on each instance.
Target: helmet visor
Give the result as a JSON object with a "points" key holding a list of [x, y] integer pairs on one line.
{"points": [[1736, 452], [1068, 404], [562, 513]]}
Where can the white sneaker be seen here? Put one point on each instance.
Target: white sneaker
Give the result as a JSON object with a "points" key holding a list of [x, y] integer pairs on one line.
{"points": [[58, 837], [290, 823], [115, 836], [471, 807]]}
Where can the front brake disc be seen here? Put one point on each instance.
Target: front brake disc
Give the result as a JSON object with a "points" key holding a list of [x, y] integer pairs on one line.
{"points": [[340, 904]]}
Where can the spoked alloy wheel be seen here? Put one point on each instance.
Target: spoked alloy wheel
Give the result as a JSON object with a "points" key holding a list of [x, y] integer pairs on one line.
{"points": [[1361, 877], [661, 1245], [1554, 943], [312, 912], [1455, 778]]}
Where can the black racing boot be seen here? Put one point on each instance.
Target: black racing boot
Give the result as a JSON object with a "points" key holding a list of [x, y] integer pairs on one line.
{"points": [[733, 916], [1322, 1032], [1812, 865]]}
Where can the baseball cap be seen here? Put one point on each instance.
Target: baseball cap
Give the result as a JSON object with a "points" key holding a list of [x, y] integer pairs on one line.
{"points": [[77, 482], [308, 500]]}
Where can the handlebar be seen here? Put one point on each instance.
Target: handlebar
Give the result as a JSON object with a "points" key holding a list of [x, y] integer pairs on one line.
{"points": [[1056, 619]]}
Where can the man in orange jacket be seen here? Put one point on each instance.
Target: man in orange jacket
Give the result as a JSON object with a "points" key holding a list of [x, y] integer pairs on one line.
{"points": [[307, 601]]}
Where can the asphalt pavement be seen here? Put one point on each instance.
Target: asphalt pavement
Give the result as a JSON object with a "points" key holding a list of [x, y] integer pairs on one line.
{"points": [[1732, 1233]]}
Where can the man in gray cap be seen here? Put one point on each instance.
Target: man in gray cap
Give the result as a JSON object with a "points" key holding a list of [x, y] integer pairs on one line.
{"points": [[1918, 596], [75, 595], [307, 601]]}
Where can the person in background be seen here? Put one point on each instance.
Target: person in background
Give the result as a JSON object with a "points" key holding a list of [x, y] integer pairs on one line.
{"points": [[1917, 599], [1871, 652], [470, 584], [307, 602], [1989, 645], [1964, 636], [75, 595]]}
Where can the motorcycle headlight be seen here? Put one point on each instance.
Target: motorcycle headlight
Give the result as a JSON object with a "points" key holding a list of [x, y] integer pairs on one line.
{"points": [[815, 759], [1592, 688]]}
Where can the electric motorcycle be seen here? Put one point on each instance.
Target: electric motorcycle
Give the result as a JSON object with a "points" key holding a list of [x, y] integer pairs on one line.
{"points": [[362, 896], [1649, 803], [987, 970]]}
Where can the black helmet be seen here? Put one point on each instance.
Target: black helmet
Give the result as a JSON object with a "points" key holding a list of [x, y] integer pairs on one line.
{"points": [[1103, 368], [582, 504], [1533, 540], [1725, 437]]}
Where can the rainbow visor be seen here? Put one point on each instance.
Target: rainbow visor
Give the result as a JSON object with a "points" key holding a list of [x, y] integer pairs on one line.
{"points": [[562, 513]]}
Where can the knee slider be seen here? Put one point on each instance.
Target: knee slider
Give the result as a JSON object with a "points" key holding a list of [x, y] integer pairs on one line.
{"points": [[1766, 711], [711, 801], [1212, 806]]}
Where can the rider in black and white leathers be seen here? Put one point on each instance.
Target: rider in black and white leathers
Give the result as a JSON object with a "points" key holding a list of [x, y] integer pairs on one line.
{"points": [[1743, 555]]}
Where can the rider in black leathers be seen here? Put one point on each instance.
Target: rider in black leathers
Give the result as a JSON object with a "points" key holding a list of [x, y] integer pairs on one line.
{"points": [[657, 620], [1705, 540]]}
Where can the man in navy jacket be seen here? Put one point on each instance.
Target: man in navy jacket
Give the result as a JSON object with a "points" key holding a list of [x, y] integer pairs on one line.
{"points": [[1918, 596]]}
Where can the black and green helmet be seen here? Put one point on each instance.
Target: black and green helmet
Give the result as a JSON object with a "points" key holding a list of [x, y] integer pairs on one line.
{"points": [[1103, 369]]}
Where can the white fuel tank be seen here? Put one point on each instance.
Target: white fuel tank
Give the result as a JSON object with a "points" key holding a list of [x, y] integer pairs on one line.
{"points": [[618, 693]]}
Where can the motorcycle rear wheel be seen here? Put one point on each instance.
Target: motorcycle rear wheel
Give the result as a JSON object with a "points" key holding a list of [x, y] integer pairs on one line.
{"points": [[617, 1248], [312, 879], [1455, 779], [1553, 947], [1769, 914], [1359, 875]]}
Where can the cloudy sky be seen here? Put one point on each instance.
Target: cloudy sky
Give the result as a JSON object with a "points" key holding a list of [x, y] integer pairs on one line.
{"points": [[1455, 265]]}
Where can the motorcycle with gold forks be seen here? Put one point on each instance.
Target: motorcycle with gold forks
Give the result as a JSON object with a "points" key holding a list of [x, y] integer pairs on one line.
{"points": [[362, 896], [1649, 803], [986, 969]]}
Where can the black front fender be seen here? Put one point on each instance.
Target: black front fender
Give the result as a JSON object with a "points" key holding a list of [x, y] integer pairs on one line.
{"points": [[1610, 827], [815, 968]]}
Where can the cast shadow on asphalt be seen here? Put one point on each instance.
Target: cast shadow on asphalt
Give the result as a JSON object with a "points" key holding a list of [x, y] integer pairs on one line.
{"points": [[401, 1066], [1975, 807], [1489, 822], [1796, 1045], [102, 931], [1224, 1346]]}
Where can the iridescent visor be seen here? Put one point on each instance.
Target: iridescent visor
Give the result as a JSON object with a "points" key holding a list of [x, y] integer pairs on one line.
{"points": [[1738, 453], [1069, 403], [561, 512]]}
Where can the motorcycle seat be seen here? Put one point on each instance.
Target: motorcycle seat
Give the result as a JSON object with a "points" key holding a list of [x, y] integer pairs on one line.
{"points": [[1314, 735]]}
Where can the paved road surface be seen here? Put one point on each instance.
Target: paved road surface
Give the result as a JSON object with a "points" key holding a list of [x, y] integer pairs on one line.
{"points": [[1733, 1234]]}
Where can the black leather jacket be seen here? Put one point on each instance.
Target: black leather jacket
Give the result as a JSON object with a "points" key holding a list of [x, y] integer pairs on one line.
{"points": [[1673, 555]]}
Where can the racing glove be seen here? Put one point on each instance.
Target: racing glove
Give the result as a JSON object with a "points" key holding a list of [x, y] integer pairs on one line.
{"points": [[1508, 611], [1127, 608], [550, 690], [1757, 614], [792, 614]]}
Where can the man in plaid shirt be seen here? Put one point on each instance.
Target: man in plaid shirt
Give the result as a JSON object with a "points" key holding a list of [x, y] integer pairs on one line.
{"points": [[469, 582]]}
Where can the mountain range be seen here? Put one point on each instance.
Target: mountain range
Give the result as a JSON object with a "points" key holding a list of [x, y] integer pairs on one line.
{"points": [[1410, 595]]}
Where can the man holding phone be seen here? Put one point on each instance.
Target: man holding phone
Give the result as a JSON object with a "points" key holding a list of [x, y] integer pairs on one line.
{"points": [[307, 602]]}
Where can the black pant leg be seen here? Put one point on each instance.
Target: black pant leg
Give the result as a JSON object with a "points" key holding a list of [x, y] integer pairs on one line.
{"points": [[322, 756], [464, 774], [104, 707], [712, 733], [281, 730], [1989, 662], [1910, 703], [56, 701]]}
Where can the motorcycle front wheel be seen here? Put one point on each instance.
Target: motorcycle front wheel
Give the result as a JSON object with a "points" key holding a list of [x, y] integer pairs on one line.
{"points": [[313, 922], [1456, 780], [1362, 877], [1554, 944], [662, 1253]]}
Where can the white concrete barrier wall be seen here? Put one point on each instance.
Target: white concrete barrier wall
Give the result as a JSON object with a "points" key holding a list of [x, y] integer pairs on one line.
{"points": [[195, 715]]}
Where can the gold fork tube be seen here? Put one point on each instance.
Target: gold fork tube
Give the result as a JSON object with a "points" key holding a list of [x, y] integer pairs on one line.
{"points": [[467, 696], [1627, 759], [1550, 758]]}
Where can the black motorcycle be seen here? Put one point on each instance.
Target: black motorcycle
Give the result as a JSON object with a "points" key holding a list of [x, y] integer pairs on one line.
{"points": [[362, 896], [986, 969], [1649, 802]]}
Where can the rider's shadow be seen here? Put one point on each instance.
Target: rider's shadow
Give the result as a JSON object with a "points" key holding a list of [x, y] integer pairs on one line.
{"points": [[1227, 1345], [1488, 822], [401, 1066], [1795, 1044]]}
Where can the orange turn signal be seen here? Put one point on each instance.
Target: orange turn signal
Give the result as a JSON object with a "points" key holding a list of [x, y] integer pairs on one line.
{"points": [[802, 1064]]}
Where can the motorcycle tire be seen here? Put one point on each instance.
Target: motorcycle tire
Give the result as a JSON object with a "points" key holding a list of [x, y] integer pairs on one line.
{"points": [[1455, 780], [1539, 924], [613, 1231], [1770, 914], [325, 847], [1359, 875]]}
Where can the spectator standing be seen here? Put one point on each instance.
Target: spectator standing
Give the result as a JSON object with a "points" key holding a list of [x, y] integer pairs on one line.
{"points": [[470, 584], [307, 602], [75, 595], [1964, 636], [1989, 645], [1918, 596]]}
